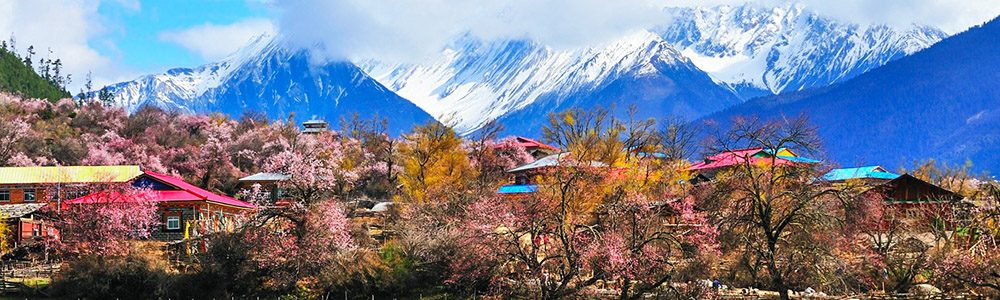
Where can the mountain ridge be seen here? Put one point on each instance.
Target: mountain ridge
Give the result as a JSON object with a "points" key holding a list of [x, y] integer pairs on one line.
{"points": [[481, 81], [940, 103], [760, 50], [276, 80], [519, 82]]}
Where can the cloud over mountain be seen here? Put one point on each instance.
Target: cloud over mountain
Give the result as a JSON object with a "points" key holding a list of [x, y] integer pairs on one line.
{"points": [[407, 30], [410, 30], [215, 41]]}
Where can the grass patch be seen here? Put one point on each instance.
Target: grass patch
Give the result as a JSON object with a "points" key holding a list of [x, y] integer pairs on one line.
{"points": [[33, 282]]}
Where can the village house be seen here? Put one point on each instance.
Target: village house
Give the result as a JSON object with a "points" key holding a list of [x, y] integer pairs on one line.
{"points": [[915, 196], [527, 176], [28, 223], [314, 126], [268, 184], [26, 191], [54, 184], [535, 148], [706, 169], [901, 191], [186, 211]]}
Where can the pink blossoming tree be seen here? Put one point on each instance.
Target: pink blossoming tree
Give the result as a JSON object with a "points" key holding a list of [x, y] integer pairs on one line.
{"points": [[108, 218]]}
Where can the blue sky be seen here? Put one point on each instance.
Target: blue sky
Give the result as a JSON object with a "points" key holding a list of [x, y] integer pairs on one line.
{"points": [[137, 35], [119, 40]]}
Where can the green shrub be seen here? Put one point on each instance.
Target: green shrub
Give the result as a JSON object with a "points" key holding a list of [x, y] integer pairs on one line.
{"points": [[129, 277]]}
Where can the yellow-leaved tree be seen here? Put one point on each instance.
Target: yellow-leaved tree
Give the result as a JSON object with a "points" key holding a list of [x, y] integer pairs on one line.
{"points": [[5, 234], [434, 164]]}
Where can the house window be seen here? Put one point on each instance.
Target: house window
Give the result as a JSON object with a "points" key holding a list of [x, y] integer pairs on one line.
{"points": [[29, 195], [173, 223], [4, 195]]}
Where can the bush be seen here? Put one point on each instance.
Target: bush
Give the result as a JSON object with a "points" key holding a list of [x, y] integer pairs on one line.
{"points": [[133, 276]]}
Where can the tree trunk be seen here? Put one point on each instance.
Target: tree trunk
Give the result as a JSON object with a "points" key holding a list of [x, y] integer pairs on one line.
{"points": [[776, 279], [625, 287]]}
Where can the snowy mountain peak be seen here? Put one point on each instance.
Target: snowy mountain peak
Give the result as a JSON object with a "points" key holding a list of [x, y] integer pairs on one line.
{"points": [[701, 61], [181, 88], [765, 50], [268, 76], [473, 81]]}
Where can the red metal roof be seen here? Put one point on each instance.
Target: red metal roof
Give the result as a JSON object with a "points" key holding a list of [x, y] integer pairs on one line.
{"points": [[198, 192], [530, 143], [185, 192], [735, 157]]}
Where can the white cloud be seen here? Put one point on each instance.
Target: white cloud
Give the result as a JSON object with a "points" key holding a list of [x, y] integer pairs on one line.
{"points": [[212, 41], [411, 29], [404, 30], [952, 16], [65, 26], [132, 5]]}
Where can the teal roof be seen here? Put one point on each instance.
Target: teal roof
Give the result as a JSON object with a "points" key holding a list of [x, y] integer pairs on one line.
{"points": [[518, 189], [869, 172], [799, 159]]}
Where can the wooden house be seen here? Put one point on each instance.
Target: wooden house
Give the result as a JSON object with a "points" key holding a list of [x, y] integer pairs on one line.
{"points": [[186, 211], [269, 184], [26, 191], [28, 223], [526, 176], [314, 126], [54, 184], [906, 191], [535, 148], [707, 169]]}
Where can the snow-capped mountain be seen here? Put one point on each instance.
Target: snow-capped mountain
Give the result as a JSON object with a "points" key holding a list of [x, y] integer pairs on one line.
{"points": [[702, 61], [269, 77], [768, 50], [183, 88], [941, 103], [473, 82]]}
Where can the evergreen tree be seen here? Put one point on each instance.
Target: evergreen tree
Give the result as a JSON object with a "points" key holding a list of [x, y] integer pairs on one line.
{"points": [[43, 69], [57, 78], [106, 97], [31, 53], [89, 84], [16, 77], [87, 91]]}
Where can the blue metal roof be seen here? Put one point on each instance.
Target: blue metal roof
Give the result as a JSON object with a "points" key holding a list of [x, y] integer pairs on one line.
{"points": [[869, 172], [518, 189], [798, 159], [652, 154]]}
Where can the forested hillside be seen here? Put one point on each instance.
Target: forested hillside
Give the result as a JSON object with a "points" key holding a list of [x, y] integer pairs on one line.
{"points": [[19, 78]]}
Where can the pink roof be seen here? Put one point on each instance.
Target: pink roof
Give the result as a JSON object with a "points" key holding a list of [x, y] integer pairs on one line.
{"points": [[185, 192], [732, 158], [188, 190], [530, 143], [736, 153]]}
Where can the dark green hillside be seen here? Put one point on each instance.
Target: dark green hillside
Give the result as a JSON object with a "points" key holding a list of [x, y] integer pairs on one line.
{"points": [[15, 77]]}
